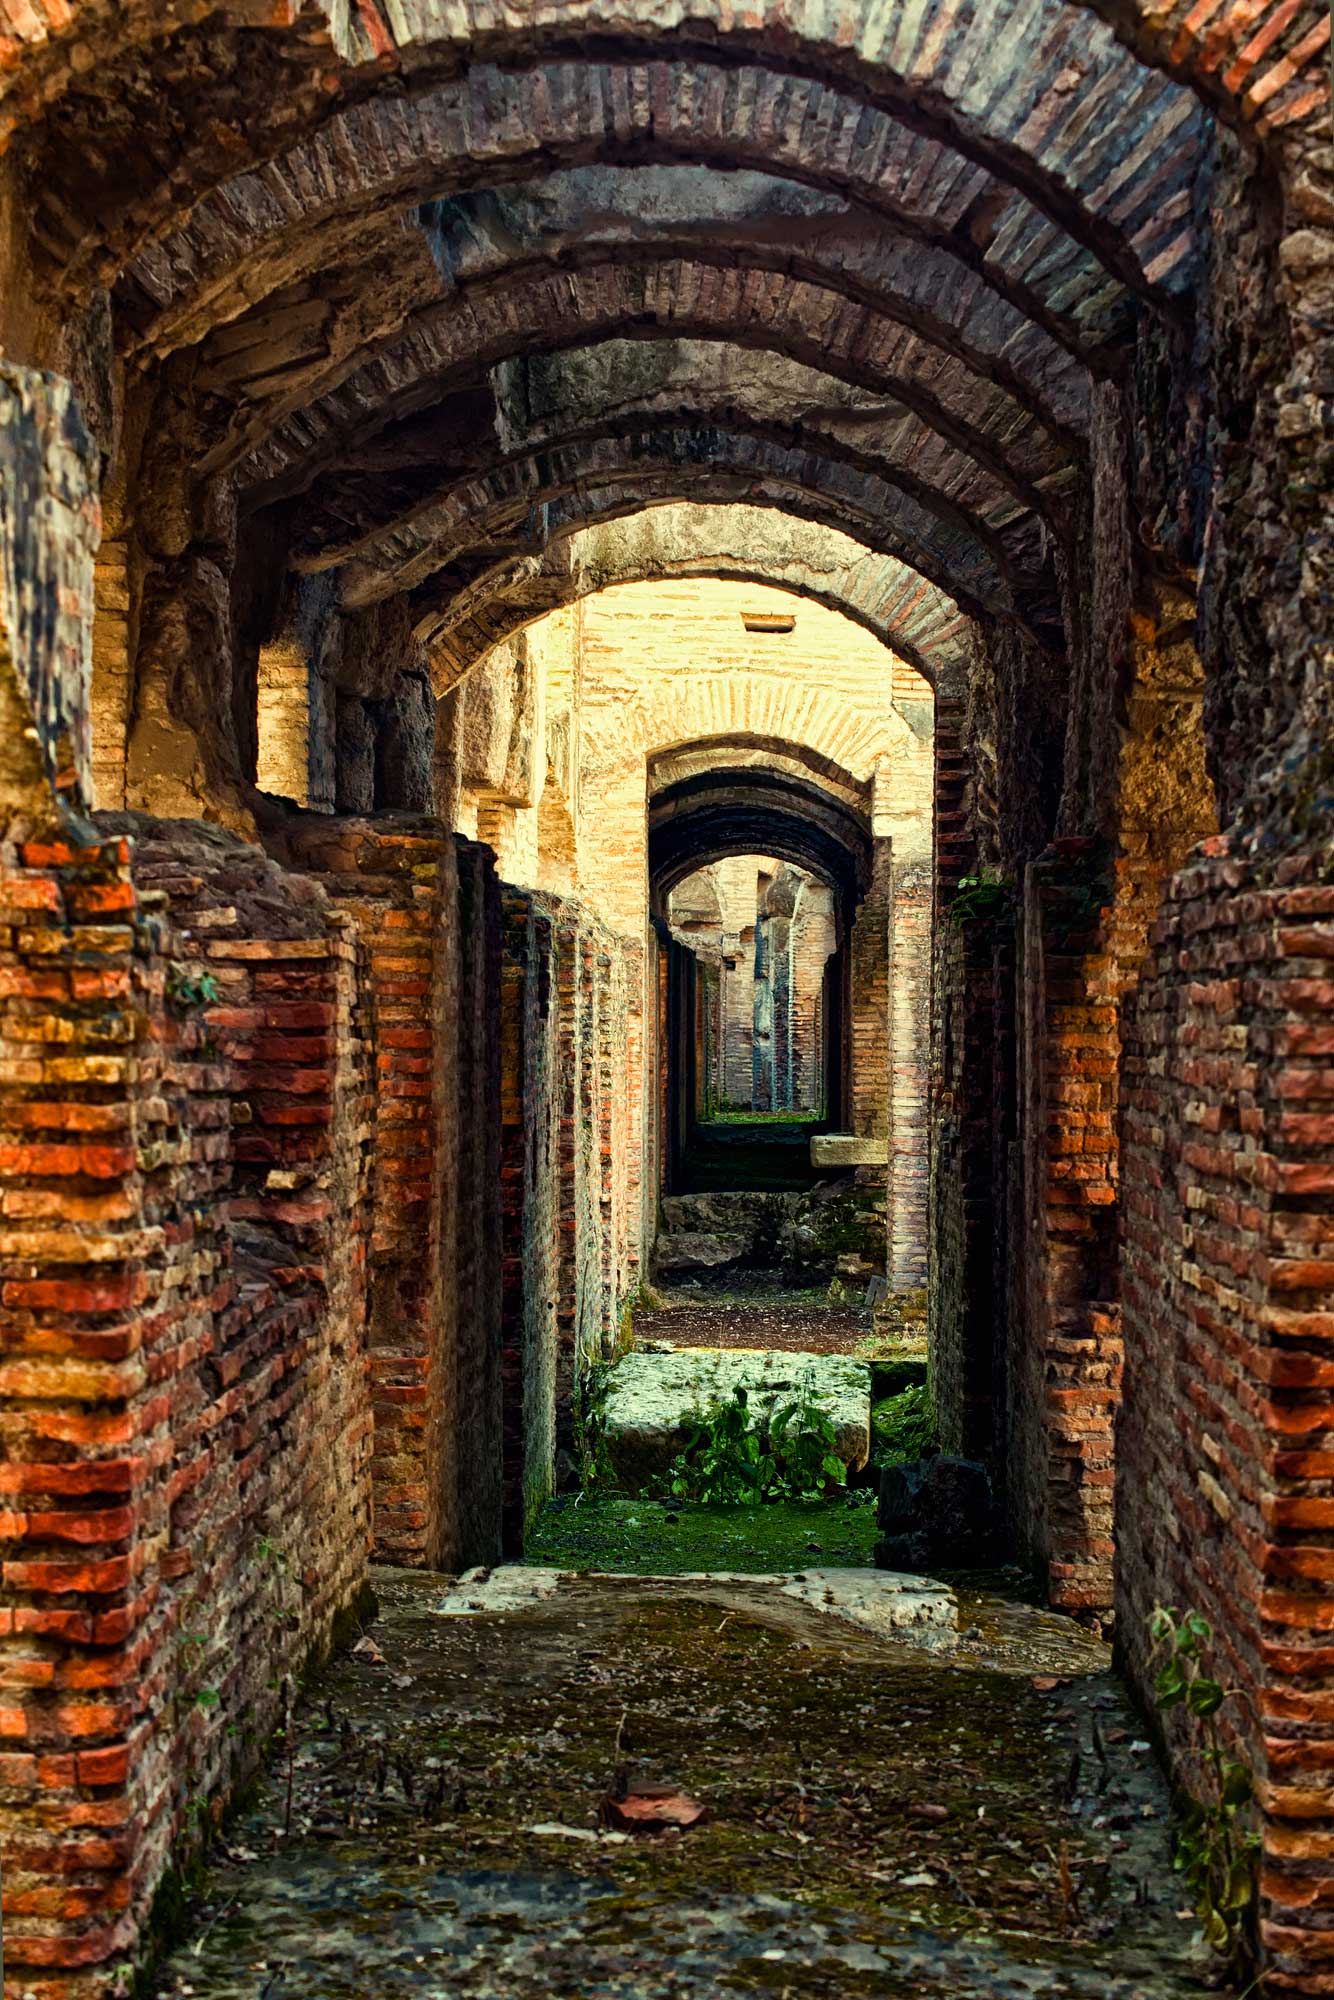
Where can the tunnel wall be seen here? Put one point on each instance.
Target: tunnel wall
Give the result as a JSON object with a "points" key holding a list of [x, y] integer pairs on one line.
{"points": [[424, 907], [1228, 1173], [187, 1424], [570, 1000]]}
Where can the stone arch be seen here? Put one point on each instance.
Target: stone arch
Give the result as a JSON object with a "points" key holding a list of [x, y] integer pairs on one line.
{"points": [[520, 505], [764, 545], [1259, 66], [456, 342], [813, 727], [750, 751], [704, 818], [1016, 117], [595, 213]]}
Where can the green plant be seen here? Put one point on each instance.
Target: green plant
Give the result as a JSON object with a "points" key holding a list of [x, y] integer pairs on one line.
{"points": [[736, 1454], [904, 1426], [186, 990], [979, 896], [591, 1452], [1216, 1851]]}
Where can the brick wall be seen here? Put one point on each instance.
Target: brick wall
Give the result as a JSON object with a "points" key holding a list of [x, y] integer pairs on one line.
{"points": [[186, 1420], [1225, 1443], [424, 905], [571, 1084], [1065, 1332]]}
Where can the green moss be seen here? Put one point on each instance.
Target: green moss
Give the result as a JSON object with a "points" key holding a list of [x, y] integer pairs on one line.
{"points": [[640, 1537], [903, 1427]]}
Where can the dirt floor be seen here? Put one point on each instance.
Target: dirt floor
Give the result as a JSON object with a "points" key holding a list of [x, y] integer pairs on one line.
{"points": [[756, 1316], [879, 1820], [753, 1323]]}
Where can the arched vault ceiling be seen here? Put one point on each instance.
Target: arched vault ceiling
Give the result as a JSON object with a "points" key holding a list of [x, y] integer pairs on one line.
{"points": [[626, 386], [750, 811], [912, 617], [749, 753], [772, 311], [1260, 63], [519, 504], [1114, 211], [291, 344]]}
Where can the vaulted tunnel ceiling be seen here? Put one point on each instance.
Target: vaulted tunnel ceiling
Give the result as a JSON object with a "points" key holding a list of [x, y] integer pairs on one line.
{"points": [[482, 282], [732, 810], [912, 617]]}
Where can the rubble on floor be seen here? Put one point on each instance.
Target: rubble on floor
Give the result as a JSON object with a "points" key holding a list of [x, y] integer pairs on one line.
{"points": [[879, 1822]]}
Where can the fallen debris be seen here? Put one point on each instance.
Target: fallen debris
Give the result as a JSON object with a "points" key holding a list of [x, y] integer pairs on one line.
{"points": [[651, 1808]]}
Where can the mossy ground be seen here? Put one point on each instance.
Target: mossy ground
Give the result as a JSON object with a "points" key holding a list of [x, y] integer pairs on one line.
{"points": [[881, 1822], [644, 1538]]}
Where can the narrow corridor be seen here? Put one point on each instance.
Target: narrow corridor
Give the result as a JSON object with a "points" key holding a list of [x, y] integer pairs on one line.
{"points": [[666, 978], [983, 1822]]}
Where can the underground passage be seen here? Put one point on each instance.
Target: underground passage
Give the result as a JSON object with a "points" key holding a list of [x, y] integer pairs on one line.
{"points": [[666, 999]]}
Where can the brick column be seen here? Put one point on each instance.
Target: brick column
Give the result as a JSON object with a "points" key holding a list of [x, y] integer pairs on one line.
{"points": [[1066, 1348], [868, 946], [421, 902], [1227, 1435]]}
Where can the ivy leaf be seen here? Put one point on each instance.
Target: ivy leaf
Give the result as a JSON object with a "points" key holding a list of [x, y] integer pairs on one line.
{"points": [[1170, 1686], [1237, 1786], [1205, 1697]]}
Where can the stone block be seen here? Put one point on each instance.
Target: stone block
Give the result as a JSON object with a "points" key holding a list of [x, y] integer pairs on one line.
{"points": [[845, 1149], [652, 1398]]}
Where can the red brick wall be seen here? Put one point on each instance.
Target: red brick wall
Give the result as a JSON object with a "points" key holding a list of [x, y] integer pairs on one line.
{"points": [[570, 1095], [424, 906], [1227, 1434], [1065, 1334], [186, 1420]]}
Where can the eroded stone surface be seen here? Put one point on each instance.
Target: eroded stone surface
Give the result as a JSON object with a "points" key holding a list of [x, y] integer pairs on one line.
{"points": [[902, 1607], [881, 1823], [651, 1399]]}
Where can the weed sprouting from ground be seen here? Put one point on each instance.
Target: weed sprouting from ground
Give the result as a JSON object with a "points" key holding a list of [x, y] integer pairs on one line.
{"points": [[743, 1452], [1217, 1852]]}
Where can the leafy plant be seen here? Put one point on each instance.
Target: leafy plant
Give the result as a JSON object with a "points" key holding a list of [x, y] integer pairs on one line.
{"points": [[903, 1426], [1216, 1851], [979, 896], [738, 1454], [590, 1429], [186, 990]]}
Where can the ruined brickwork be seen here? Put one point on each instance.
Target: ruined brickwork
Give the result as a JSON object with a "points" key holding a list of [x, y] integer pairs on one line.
{"points": [[188, 1424], [569, 1231], [423, 907], [463, 471], [1228, 1167]]}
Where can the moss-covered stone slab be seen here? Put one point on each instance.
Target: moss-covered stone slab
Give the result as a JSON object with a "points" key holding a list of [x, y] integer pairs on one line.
{"points": [[653, 1398]]}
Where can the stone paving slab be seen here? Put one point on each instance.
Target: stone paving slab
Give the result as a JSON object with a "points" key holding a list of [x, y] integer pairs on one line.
{"points": [[651, 1398], [912, 1608]]}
